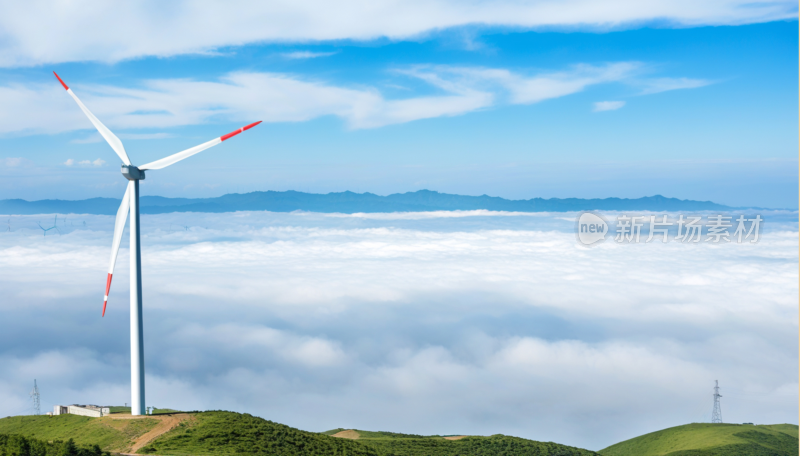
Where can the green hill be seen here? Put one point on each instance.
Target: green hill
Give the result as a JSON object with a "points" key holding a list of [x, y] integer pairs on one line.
{"points": [[17, 445], [706, 439], [213, 433], [227, 433], [110, 435], [390, 443]]}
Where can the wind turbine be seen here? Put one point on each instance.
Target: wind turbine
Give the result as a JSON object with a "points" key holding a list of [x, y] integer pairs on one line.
{"points": [[130, 202], [44, 230]]}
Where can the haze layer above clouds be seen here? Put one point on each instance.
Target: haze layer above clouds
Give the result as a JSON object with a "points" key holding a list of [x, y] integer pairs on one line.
{"points": [[435, 323]]}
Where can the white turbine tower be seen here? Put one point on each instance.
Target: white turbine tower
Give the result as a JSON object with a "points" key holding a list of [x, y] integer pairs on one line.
{"points": [[131, 202]]}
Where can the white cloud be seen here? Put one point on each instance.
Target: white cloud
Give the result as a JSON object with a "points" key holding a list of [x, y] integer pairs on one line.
{"points": [[96, 138], [309, 351], [525, 89], [13, 162], [608, 105], [72, 162], [38, 32], [91, 139], [431, 214], [272, 97], [657, 85], [145, 136], [389, 321], [300, 55], [238, 97]]}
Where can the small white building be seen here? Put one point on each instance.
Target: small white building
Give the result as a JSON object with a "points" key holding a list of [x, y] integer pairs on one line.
{"points": [[83, 410]]}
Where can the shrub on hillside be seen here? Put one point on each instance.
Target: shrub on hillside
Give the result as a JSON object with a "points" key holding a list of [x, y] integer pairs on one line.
{"points": [[17, 445]]}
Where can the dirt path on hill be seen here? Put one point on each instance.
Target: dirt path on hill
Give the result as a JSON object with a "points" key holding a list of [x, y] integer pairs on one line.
{"points": [[348, 434], [166, 424], [455, 437]]}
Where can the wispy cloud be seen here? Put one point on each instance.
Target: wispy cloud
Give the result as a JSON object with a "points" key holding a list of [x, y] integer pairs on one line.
{"points": [[275, 97], [91, 139], [96, 138], [36, 33], [72, 162], [521, 88], [13, 162], [145, 136], [657, 85], [600, 106], [299, 55]]}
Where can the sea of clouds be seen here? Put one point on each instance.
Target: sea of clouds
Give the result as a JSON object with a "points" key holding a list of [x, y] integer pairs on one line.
{"points": [[465, 322]]}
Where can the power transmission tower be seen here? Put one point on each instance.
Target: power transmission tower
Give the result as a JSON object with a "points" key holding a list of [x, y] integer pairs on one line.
{"points": [[716, 415], [35, 397]]}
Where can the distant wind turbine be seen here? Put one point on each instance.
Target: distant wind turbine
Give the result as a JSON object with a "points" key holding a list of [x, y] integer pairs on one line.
{"points": [[44, 230], [131, 202]]}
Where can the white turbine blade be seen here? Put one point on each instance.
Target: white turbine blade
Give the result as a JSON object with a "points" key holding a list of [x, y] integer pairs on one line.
{"points": [[119, 227], [110, 138], [166, 161]]}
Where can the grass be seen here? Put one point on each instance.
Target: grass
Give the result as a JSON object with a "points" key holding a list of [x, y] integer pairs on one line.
{"points": [[163, 411], [17, 445], [110, 435], [233, 433], [156, 411], [376, 434], [391, 443], [218, 433], [228, 433], [706, 439], [474, 446]]}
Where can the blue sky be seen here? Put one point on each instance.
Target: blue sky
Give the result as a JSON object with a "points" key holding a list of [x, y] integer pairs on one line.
{"points": [[698, 105]]}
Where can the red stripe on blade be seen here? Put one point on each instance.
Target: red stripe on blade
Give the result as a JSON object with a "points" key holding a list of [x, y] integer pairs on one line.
{"points": [[108, 287], [236, 132], [230, 135], [251, 125], [62, 82]]}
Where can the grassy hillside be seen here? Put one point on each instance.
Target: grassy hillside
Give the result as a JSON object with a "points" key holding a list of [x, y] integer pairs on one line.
{"points": [[706, 439], [235, 433], [17, 445], [232, 433], [110, 435], [377, 434], [156, 411], [390, 443], [228, 433]]}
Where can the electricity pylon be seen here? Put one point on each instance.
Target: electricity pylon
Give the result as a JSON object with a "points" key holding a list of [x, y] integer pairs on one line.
{"points": [[716, 414], [35, 397]]}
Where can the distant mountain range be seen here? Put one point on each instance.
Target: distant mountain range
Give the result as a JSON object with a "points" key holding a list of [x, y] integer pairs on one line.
{"points": [[349, 202]]}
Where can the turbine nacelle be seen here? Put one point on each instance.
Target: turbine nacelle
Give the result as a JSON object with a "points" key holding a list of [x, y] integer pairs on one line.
{"points": [[132, 173]]}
